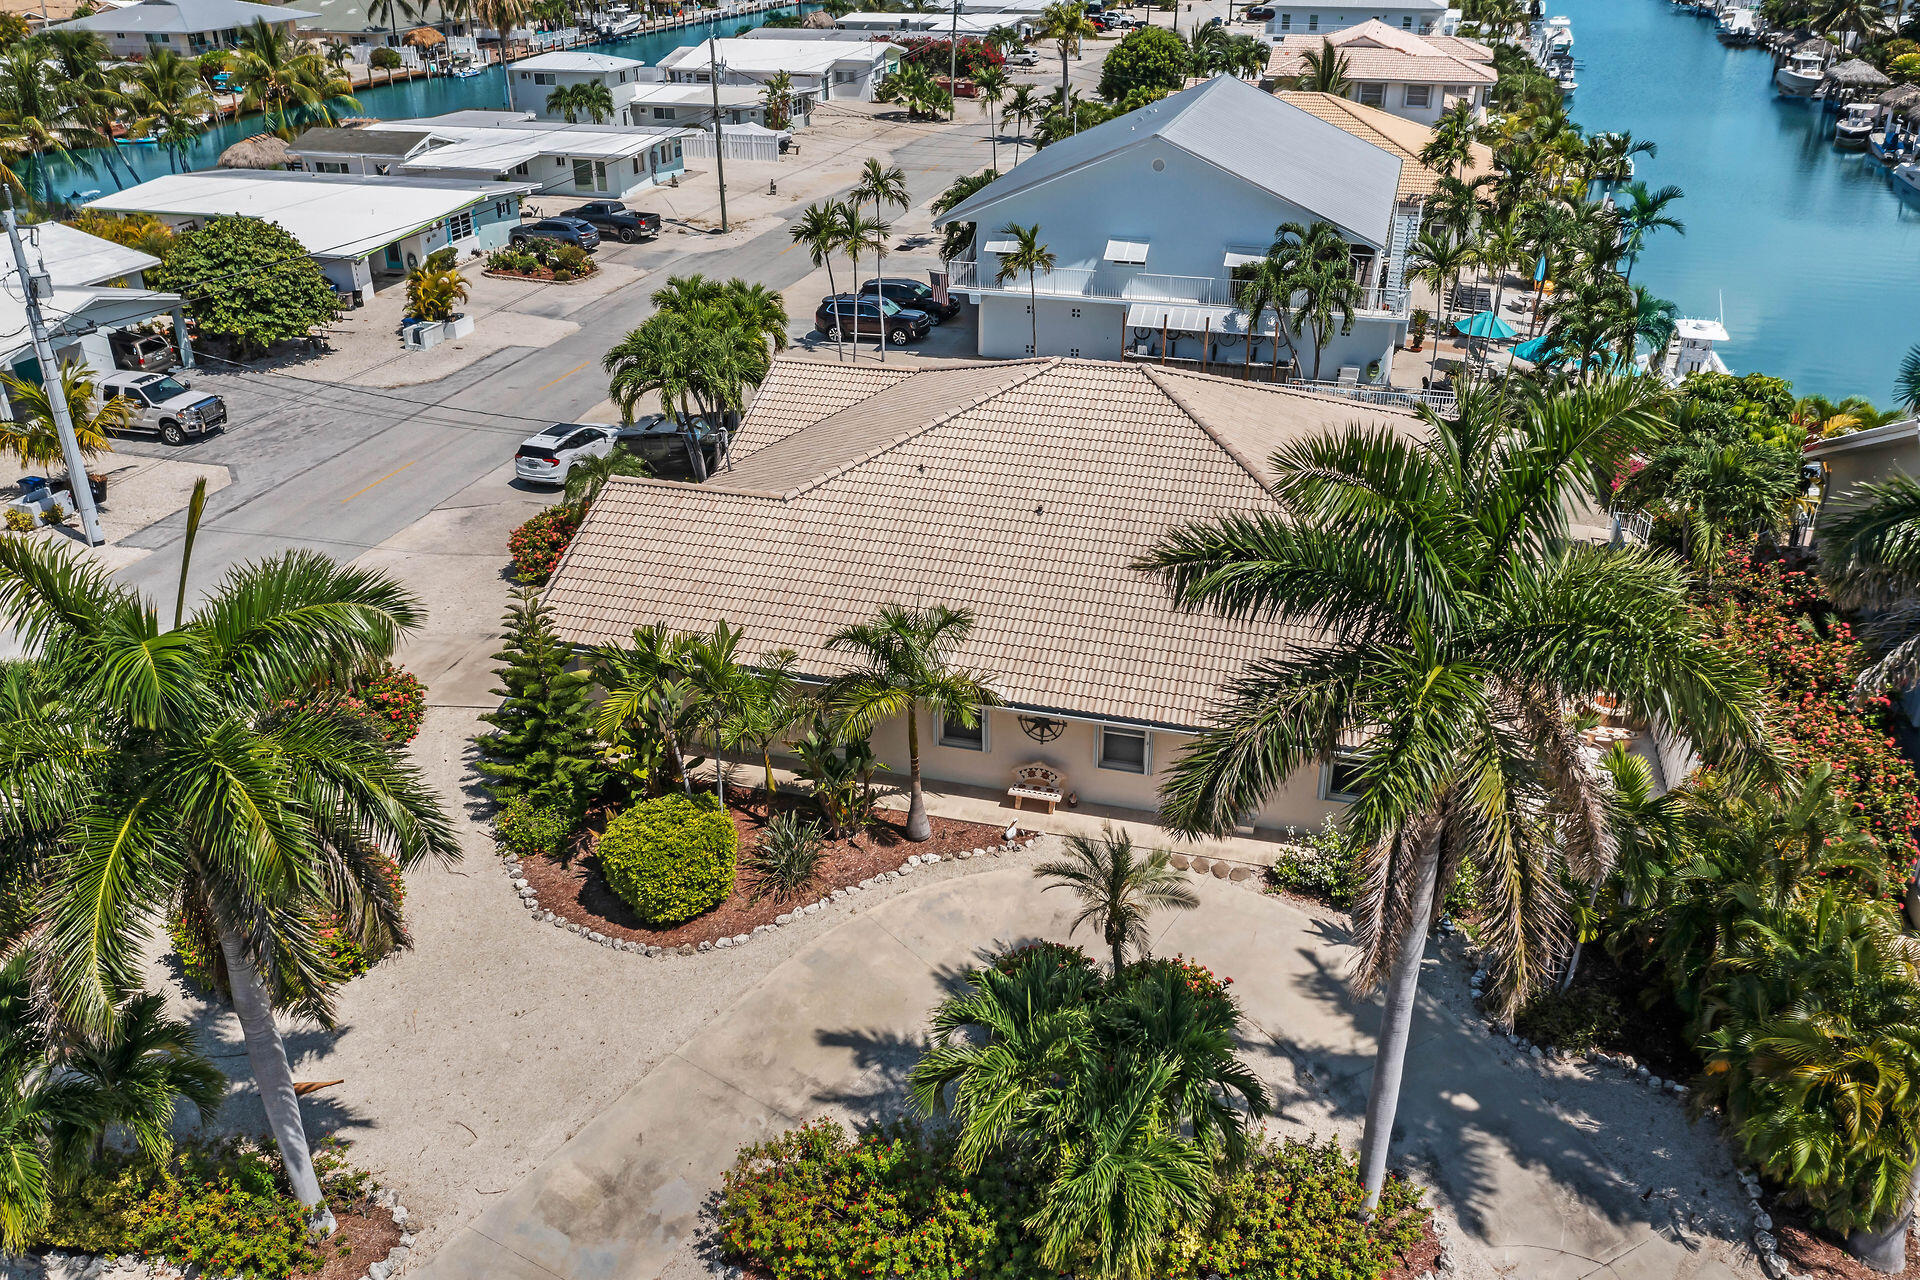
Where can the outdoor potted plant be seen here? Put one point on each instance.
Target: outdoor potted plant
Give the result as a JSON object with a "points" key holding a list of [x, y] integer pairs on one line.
{"points": [[1417, 329], [433, 289]]}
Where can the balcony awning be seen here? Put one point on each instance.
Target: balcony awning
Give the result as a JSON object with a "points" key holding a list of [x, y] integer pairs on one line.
{"points": [[1130, 253], [1242, 258], [1002, 246], [1181, 318]]}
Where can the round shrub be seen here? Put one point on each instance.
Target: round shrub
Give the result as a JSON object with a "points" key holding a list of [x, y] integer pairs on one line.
{"points": [[528, 829], [671, 859], [537, 545]]}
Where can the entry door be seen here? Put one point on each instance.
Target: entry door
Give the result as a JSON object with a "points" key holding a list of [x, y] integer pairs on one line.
{"points": [[394, 261], [600, 175], [583, 175]]}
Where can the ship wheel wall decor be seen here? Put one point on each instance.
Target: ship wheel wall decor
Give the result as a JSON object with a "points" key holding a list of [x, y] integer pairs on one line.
{"points": [[1042, 729]]}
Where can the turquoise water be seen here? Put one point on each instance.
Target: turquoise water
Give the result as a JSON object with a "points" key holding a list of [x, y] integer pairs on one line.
{"points": [[1816, 256], [399, 101]]}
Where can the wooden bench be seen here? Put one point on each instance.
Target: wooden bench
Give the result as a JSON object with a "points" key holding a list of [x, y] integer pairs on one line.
{"points": [[1038, 783]]}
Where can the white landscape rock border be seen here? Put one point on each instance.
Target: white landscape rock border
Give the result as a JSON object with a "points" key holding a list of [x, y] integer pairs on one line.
{"points": [[530, 900], [59, 1265]]}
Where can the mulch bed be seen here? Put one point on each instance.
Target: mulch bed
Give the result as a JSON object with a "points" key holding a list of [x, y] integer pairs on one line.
{"points": [[369, 1234], [1813, 1253], [542, 274], [1420, 1260], [1653, 1029], [576, 890]]}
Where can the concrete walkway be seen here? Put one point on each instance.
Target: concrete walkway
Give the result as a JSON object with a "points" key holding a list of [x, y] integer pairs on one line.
{"points": [[1540, 1172]]}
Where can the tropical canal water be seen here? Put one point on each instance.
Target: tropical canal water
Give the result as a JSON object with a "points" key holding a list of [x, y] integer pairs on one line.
{"points": [[402, 100], [1815, 255]]}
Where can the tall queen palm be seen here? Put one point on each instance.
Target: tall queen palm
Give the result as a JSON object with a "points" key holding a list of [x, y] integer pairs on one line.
{"points": [[1455, 624], [175, 771]]}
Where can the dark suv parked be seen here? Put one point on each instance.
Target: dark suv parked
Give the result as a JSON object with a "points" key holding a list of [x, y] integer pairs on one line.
{"points": [[612, 218], [868, 318], [568, 230], [914, 295]]}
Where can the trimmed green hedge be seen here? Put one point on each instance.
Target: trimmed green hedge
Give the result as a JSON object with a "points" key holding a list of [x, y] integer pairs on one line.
{"points": [[671, 859]]}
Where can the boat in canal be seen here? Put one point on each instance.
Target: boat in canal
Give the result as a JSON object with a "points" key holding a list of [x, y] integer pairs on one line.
{"points": [[1801, 75], [1739, 27], [1906, 177], [1856, 126], [1689, 351]]}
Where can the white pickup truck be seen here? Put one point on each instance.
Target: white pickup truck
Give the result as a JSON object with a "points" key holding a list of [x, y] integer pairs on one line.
{"points": [[164, 405]]}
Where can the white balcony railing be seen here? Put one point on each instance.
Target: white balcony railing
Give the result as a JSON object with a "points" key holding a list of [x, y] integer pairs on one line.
{"points": [[1144, 286]]}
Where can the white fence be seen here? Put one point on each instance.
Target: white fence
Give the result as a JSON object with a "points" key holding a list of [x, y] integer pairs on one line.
{"points": [[759, 147]]}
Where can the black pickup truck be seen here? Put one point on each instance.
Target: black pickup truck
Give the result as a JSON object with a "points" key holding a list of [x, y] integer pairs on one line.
{"points": [[616, 220]]}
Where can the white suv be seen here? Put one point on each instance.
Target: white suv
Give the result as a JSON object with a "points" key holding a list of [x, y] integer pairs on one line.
{"points": [[548, 457]]}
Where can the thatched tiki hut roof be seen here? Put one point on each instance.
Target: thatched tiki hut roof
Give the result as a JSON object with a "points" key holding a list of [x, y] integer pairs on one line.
{"points": [[424, 38], [261, 151], [819, 20], [1855, 74], [1899, 96], [1814, 45]]}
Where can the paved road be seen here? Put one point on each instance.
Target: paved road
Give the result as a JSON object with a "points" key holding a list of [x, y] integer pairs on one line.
{"points": [[1511, 1151], [340, 468]]}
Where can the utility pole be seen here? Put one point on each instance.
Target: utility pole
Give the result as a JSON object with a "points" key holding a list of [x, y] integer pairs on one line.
{"points": [[77, 483], [953, 66], [719, 139]]}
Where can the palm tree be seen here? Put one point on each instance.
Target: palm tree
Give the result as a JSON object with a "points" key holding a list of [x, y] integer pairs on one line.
{"points": [[1065, 22], [959, 236], [1644, 213], [1454, 618], [169, 103], [36, 113], [906, 656], [588, 476], [882, 184], [80, 61], [1502, 245], [393, 13], [1906, 383], [1438, 259], [287, 81], [1714, 494], [646, 713], [990, 88], [1320, 280], [705, 345], [594, 100], [1654, 321], [564, 102], [1031, 256], [1326, 71], [717, 687], [1648, 829], [31, 437], [1118, 890], [502, 16], [1023, 109], [139, 1072], [861, 232], [822, 228], [772, 706], [1451, 148], [1263, 286], [177, 774], [1870, 561]]}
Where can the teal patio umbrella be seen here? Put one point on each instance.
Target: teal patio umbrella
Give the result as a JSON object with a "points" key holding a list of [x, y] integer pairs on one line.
{"points": [[1485, 324], [1537, 351]]}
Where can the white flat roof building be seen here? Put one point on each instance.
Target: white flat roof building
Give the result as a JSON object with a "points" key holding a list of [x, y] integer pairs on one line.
{"points": [[578, 61], [833, 68], [498, 146], [186, 27], [97, 287]]}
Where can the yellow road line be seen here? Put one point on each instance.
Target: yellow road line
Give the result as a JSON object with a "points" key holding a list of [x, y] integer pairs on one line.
{"points": [[568, 374], [382, 480]]}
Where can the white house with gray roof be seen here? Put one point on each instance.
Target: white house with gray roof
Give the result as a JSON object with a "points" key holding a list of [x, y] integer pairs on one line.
{"points": [[186, 27], [1147, 216]]}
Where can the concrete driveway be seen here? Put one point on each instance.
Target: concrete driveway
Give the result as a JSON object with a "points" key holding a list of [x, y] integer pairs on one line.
{"points": [[1546, 1172]]}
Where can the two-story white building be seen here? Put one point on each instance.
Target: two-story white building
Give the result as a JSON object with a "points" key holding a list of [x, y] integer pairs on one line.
{"points": [[1315, 17], [186, 27], [1147, 217], [1414, 76], [825, 69], [535, 79]]}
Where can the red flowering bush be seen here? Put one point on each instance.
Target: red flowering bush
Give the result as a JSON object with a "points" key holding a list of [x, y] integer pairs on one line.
{"points": [[973, 56], [814, 1204], [1294, 1214], [1776, 616], [396, 701], [537, 545]]}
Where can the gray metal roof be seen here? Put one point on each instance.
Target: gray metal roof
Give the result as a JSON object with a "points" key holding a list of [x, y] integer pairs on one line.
{"points": [[177, 17], [1246, 134], [1374, 6], [360, 142]]}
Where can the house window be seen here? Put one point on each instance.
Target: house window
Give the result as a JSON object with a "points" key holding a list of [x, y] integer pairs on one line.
{"points": [[636, 164], [663, 113], [1419, 95], [623, 77], [1123, 749], [521, 168], [1313, 22], [1286, 22], [1406, 23], [1340, 778], [460, 225], [583, 174], [959, 736], [328, 166], [543, 77], [1371, 95], [500, 208], [559, 162]]}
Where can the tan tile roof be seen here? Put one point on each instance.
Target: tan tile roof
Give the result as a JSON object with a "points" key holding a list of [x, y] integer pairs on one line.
{"points": [[1396, 134], [1025, 494], [1375, 51]]}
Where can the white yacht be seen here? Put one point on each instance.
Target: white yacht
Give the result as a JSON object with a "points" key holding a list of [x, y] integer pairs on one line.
{"points": [[1739, 26], [1802, 74], [1689, 351], [1906, 177], [1855, 127], [1556, 36]]}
